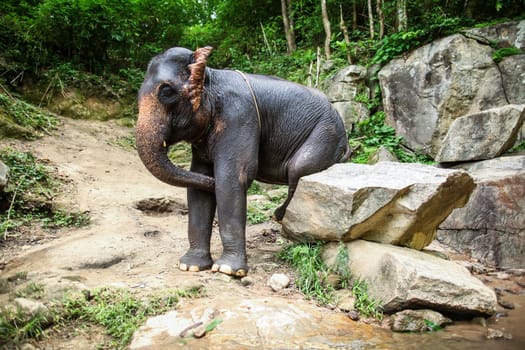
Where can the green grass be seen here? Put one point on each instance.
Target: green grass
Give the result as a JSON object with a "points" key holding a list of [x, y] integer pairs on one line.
{"points": [[311, 270], [118, 311], [15, 327], [312, 273], [29, 196], [31, 120]]}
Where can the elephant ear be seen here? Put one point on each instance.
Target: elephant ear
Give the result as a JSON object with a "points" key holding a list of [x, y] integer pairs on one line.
{"points": [[197, 75]]}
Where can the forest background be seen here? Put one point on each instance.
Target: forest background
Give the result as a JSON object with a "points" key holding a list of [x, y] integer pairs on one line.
{"points": [[109, 42]]}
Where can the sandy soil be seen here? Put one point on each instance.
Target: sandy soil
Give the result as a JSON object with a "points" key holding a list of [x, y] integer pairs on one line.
{"points": [[138, 224]]}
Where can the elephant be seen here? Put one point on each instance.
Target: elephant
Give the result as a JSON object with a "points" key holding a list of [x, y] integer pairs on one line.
{"points": [[240, 127]]}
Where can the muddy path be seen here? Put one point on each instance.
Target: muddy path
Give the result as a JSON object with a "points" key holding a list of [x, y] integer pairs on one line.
{"points": [[137, 234]]}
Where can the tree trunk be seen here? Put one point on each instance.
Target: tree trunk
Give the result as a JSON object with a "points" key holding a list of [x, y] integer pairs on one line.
{"points": [[327, 29], [380, 18], [370, 19], [354, 15], [402, 19], [344, 29], [288, 25]]}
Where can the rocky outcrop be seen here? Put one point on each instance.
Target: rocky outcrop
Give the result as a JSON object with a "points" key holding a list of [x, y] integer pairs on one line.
{"points": [[491, 226], [424, 93], [403, 278], [342, 91], [503, 34], [4, 176], [388, 202], [482, 135]]}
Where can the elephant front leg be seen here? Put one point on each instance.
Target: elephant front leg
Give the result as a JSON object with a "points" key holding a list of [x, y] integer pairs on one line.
{"points": [[231, 207], [201, 207], [201, 211]]}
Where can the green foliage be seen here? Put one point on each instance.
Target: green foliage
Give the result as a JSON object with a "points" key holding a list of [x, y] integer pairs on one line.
{"points": [[341, 266], [432, 327], [395, 44], [518, 147], [31, 290], [119, 311], [372, 133], [312, 271], [500, 54], [33, 120], [15, 327], [31, 188], [363, 302]]}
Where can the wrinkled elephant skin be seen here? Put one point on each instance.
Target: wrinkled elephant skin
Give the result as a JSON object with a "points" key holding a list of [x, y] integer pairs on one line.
{"points": [[241, 127]]}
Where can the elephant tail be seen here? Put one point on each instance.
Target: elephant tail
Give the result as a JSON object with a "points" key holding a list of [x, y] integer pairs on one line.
{"points": [[348, 153]]}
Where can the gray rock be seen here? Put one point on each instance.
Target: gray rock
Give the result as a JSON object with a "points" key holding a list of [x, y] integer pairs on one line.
{"points": [[382, 155], [259, 323], [403, 278], [513, 73], [278, 281], [30, 308], [482, 135], [4, 176], [342, 91], [505, 34], [437, 83], [352, 112], [388, 202], [491, 226], [418, 321]]}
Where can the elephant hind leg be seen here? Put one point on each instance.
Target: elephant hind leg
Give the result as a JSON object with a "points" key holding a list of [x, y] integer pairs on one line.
{"points": [[320, 151]]}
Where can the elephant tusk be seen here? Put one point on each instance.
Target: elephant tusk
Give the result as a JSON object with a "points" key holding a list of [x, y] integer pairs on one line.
{"points": [[164, 144]]}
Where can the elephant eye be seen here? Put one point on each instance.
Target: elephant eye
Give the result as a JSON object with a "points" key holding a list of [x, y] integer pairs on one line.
{"points": [[167, 94]]}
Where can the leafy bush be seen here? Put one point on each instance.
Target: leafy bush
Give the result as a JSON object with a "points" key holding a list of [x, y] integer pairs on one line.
{"points": [[372, 133], [33, 121]]}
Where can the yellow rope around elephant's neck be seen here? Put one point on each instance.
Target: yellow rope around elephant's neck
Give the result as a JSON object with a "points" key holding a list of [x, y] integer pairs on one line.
{"points": [[253, 96]]}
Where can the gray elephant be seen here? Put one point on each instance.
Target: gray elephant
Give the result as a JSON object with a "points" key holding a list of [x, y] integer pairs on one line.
{"points": [[241, 127]]}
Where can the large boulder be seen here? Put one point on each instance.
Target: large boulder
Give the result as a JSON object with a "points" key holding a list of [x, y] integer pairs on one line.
{"points": [[342, 90], [491, 227], [403, 278], [427, 90], [482, 135], [503, 34], [387, 202]]}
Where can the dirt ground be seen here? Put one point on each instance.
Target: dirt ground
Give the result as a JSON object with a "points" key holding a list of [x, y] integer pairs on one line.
{"points": [[138, 224]]}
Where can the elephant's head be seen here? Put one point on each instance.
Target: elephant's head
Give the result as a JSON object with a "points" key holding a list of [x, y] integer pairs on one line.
{"points": [[170, 111]]}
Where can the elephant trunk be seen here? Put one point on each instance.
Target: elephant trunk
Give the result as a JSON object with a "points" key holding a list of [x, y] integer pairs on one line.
{"points": [[151, 134]]}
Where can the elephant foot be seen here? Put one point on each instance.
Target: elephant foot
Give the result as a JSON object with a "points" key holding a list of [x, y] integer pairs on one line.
{"points": [[233, 269], [194, 261], [278, 214]]}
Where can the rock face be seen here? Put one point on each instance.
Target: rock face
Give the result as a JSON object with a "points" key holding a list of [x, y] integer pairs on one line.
{"points": [[342, 91], [447, 79], [404, 278], [491, 227], [482, 135], [388, 202], [4, 176]]}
